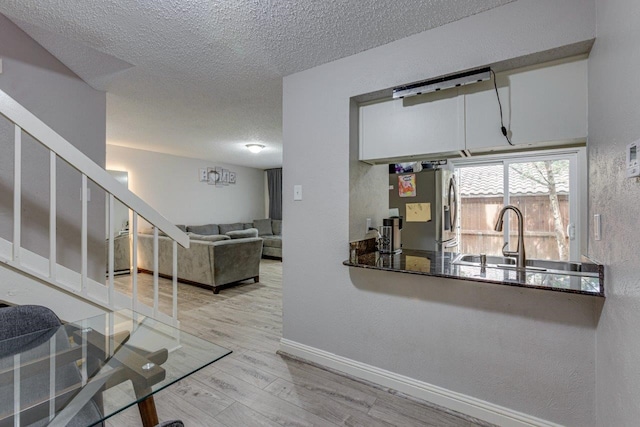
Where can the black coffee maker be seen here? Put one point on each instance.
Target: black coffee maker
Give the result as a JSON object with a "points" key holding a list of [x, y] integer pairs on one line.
{"points": [[391, 235]]}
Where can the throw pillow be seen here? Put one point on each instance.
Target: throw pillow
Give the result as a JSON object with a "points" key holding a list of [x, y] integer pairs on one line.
{"points": [[263, 226], [207, 229], [225, 228], [182, 228], [276, 224], [242, 234], [209, 238]]}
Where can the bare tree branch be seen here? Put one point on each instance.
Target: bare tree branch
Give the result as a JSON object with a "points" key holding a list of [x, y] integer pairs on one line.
{"points": [[544, 177], [529, 176]]}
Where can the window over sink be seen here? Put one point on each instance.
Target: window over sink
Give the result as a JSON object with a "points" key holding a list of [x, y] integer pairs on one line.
{"points": [[546, 187]]}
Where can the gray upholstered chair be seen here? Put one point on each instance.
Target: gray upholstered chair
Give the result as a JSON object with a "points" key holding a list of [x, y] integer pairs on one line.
{"points": [[31, 331]]}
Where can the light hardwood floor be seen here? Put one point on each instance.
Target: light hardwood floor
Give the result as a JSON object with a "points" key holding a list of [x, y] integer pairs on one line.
{"points": [[256, 387]]}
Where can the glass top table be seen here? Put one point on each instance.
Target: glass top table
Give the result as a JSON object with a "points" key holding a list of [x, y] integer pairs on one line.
{"points": [[84, 372]]}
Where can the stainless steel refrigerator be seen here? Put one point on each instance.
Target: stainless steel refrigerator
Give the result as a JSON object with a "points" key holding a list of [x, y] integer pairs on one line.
{"points": [[438, 188]]}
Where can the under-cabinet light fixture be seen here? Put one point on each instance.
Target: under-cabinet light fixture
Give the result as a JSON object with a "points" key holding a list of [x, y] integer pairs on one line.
{"points": [[255, 148], [441, 83]]}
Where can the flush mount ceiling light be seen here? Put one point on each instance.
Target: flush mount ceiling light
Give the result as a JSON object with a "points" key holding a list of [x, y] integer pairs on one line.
{"points": [[255, 148]]}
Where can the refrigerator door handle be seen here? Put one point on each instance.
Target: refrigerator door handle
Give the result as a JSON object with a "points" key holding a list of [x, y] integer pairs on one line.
{"points": [[452, 201], [446, 219]]}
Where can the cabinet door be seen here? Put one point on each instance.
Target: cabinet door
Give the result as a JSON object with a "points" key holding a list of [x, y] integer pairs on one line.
{"points": [[542, 106], [482, 114], [550, 103], [418, 126]]}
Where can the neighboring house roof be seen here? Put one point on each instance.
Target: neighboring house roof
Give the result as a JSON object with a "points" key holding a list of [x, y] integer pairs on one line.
{"points": [[488, 180]]}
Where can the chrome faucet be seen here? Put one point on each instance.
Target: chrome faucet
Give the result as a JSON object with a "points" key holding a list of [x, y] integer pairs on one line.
{"points": [[519, 254]]}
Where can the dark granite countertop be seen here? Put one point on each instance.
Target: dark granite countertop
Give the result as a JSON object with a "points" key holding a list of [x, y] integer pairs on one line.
{"points": [[439, 264]]}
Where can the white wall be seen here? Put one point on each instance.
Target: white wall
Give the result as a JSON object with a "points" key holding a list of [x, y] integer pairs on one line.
{"points": [[527, 350], [368, 187], [73, 109], [170, 185], [613, 123]]}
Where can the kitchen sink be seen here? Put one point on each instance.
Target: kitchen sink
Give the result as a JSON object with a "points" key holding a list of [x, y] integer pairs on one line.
{"points": [[554, 265], [532, 265], [475, 259]]}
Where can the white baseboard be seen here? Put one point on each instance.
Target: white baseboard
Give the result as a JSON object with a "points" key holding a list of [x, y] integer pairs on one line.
{"points": [[421, 390]]}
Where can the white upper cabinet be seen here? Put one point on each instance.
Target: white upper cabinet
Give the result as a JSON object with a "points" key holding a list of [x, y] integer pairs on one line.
{"points": [[550, 103], [415, 126], [542, 106], [482, 114]]}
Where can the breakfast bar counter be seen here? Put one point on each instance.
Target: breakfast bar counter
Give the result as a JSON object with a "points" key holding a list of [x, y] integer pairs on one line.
{"points": [[589, 281]]}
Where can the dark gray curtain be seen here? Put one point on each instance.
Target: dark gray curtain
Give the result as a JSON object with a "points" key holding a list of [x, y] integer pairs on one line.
{"points": [[274, 182]]}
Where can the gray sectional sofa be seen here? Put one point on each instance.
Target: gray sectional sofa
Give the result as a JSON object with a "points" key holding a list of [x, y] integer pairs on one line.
{"points": [[271, 232], [220, 255], [213, 260], [121, 254]]}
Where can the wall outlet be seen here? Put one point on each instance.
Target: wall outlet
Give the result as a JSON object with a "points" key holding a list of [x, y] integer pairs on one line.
{"points": [[368, 226], [204, 176]]}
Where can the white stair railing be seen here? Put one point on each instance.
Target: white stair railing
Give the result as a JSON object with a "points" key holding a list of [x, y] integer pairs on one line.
{"points": [[49, 270]]}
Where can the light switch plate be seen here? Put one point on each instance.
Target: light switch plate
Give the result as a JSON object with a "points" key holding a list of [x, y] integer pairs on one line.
{"points": [[597, 227], [297, 192]]}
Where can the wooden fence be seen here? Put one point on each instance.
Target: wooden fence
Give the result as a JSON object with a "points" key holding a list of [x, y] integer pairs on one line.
{"points": [[478, 217]]}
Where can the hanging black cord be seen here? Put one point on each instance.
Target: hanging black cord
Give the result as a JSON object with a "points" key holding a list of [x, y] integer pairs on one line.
{"points": [[502, 128]]}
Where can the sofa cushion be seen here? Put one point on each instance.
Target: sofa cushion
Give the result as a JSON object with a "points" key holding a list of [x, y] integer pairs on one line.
{"points": [[241, 234], [263, 226], [207, 229], [210, 238], [149, 230], [225, 228], [276, 225], [247, 225], [272, 241]]}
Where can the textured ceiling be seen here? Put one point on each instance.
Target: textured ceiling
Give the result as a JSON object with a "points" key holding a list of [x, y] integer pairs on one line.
{"points": [[201, 78]]}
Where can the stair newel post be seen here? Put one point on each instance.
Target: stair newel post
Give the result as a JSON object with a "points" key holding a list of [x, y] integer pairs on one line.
{"points": [[155, 272], [17, 193], [52, 215], [134, 261], [83, 237], [111, 248]]}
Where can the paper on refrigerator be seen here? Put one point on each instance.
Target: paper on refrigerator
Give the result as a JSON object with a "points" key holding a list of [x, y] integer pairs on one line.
{"points": [[418, 212]]}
